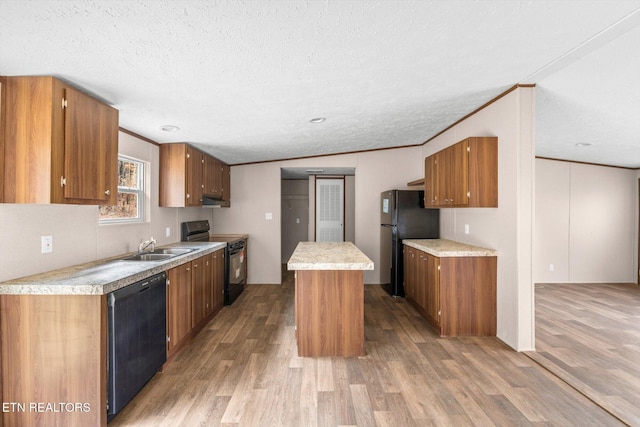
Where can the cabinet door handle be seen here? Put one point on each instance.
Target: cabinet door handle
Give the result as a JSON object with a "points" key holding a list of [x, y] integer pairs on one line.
{"points": [[107, 192]]}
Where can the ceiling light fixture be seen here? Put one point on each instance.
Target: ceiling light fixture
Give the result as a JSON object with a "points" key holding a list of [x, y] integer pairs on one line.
{"points": [[317, 120], [314, 171], [170, 128], [582, 144]]}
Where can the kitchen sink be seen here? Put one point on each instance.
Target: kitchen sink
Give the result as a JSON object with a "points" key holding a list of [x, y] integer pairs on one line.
{"points": [[159, 254], [172, 251], [149, 257]]}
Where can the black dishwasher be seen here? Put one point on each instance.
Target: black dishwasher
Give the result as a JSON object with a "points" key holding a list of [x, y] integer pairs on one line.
{"points": [[137, 338]]}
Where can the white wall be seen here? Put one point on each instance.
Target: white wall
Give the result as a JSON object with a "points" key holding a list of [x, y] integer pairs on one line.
{"points": [[586, 223], [255, 190], [77, 236], [508, 228]]}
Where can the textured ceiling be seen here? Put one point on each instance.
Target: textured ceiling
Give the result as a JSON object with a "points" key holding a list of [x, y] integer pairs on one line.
{"points": [[242, 79]]}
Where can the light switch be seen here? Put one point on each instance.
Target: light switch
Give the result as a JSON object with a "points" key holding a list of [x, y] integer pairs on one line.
{"points": [[466, 229], [47, 244], [268, 216], [297, 220]]}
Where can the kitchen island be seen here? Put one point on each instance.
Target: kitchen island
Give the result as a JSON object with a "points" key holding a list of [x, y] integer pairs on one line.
{"points": [[329, 298]]}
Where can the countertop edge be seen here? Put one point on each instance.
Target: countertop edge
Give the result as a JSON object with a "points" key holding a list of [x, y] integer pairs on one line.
{"points": [[329, 256], [329, 266], [456, 249], [38, 284]]}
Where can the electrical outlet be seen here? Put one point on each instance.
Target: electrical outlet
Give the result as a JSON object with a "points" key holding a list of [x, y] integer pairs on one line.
{"points": [[466, 229], [268, 216], [297, 220], [47, 244], [167, 232], [550, 267]]}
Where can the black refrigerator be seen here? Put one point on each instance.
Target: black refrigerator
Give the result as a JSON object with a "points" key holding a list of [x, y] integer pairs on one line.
{"points": [[402, 216]]}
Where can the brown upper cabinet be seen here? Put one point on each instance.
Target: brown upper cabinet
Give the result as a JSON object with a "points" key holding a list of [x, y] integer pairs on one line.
{"points": [[463, 175], [226, 186], [213, 177], [217, 181], [187, 175], [61, 145]]}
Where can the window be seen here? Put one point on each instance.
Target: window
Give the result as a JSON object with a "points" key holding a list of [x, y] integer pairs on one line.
{"points": [[130, 202]]}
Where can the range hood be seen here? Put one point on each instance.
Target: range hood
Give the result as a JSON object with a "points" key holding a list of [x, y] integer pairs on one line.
{"points": [[211, 202]]}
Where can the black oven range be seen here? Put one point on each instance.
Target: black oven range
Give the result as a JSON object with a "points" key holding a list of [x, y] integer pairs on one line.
{"points": [[235, 256]]}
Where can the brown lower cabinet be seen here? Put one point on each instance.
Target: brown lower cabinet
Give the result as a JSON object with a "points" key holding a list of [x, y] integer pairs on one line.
{"points": [[215, 292], [208, 287], [201, 274], [457, 295], [195, 293], [329, 313], [54, 360], [178, 306], [53, 348]]}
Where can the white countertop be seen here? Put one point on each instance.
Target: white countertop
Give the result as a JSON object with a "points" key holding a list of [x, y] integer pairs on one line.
{"points": [[103, 276], [328, 256], [448, 248]]}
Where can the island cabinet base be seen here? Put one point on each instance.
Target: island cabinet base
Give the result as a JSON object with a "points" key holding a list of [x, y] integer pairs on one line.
{"points": [[329, 312], [54, 360]]}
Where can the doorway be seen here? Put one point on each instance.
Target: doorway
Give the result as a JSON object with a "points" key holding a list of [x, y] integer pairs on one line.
{"points": [[298, 205]]}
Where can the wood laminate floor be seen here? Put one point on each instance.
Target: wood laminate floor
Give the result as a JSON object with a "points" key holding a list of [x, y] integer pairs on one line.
{"points": [[589, 335], [243, 370]]}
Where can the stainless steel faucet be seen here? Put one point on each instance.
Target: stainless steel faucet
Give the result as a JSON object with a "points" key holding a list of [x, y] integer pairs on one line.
{"points": [[145, 244]]}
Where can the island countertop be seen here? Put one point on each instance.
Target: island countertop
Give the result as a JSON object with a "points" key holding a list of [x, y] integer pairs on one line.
{"points": [[448, 248], [102, 276], [328, 256]]}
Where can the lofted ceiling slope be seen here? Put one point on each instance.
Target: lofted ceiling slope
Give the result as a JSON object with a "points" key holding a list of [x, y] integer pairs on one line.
{"points": [[242, 79]]}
